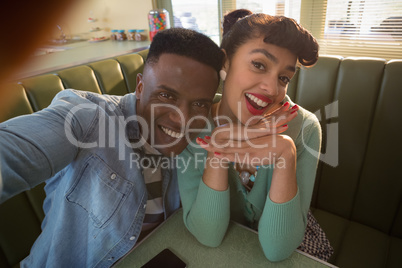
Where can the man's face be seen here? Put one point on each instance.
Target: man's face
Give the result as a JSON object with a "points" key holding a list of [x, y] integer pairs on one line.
{"points": [[170, 94]]}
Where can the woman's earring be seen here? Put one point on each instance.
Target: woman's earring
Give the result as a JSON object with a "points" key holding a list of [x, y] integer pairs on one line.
{"points": [[222, 74]]}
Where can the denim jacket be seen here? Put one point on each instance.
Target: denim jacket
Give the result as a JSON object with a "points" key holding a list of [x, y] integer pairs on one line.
{"points": [[95, 191]]}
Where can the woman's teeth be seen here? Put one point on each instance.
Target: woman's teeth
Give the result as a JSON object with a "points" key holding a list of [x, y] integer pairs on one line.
{"points": [[257, 100], [172, 133]]}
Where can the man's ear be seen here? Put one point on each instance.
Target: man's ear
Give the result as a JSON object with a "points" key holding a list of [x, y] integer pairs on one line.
{"points": [[139, 87]]}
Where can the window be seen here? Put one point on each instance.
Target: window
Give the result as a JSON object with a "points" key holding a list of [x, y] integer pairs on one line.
{"points": [[369, 28], [202, 16], [363, 28], [205, 16], [288, 8]]}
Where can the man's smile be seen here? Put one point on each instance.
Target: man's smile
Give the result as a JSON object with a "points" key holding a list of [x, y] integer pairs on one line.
{"points": [[172, 133]]}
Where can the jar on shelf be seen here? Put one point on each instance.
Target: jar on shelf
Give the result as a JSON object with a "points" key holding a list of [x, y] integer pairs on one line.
{"points": [[131, 34], [121, 35], [113, 36], [158, 20], [140, 35]]}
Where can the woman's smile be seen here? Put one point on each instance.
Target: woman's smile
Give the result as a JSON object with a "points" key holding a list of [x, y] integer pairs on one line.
{"points": [[256, 103]]}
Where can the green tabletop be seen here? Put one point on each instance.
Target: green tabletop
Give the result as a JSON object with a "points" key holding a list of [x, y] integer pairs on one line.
{"points": [[240, 248]]}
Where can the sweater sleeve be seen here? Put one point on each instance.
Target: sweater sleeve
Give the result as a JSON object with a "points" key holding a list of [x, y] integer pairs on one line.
{"points": [[206, 212], [282, 226]]}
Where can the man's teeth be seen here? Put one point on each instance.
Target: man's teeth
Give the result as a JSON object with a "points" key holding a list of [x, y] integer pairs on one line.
{"points": [[257, 100], [172, 133]]}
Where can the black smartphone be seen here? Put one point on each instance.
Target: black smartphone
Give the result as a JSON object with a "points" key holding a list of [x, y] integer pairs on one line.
{"points": [[166, 259]]}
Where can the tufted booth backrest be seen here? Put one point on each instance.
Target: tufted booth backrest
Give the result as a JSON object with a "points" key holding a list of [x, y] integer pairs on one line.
{"points": [[81, 78], [356, 90], [110, 77], [131, 65], [358, 191], [18, 99], [42, 89]]}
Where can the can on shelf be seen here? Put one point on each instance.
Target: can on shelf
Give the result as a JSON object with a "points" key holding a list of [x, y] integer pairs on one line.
{"points": [[158, 20]]}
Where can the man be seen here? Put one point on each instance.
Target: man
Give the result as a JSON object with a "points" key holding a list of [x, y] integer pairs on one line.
{"points": [[90, 148]]}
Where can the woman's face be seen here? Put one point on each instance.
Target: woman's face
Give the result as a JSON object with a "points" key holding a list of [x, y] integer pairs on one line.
{"points": [[257, 78]]}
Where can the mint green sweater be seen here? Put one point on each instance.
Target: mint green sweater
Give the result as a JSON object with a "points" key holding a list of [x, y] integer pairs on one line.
{"points": [[206, 212]]}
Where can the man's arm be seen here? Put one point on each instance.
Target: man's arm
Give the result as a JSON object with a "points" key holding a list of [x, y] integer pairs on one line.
{"points": [[35, 147]]}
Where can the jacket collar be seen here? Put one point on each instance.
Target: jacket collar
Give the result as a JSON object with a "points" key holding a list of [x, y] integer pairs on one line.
{"points": [[128, 107]]}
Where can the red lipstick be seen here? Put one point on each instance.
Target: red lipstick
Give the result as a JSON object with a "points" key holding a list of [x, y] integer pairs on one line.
{"points": [[252, 108]]}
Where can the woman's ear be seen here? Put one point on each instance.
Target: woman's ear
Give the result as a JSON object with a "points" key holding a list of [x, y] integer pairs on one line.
{"points": [[225, 63], [224, 70]]}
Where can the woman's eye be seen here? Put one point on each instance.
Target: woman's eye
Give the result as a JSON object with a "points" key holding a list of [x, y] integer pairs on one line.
{"points": [[285, 79], [258, 65]]}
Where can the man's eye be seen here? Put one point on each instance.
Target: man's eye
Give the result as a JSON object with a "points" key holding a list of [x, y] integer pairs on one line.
{"points": [[258, 65], [166, 95], [200, 104], [284, 79]]}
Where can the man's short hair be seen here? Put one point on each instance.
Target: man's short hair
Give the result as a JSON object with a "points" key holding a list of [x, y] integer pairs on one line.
{"points": [[188, 43]]}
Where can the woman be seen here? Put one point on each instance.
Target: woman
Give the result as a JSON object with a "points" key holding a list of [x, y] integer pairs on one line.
{"points": [[252, 141]]}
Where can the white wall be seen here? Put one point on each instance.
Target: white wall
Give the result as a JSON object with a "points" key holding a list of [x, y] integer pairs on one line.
{"points": [[110, 14]]}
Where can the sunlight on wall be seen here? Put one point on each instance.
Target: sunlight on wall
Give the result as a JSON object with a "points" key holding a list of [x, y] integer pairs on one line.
{"points": [[110, 14]]}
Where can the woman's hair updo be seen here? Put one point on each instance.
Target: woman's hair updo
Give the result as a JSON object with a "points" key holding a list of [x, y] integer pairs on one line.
{"points": [[241, 25]]}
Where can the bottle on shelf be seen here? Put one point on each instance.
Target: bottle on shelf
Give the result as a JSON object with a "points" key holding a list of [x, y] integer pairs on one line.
{"points": [[140, 35], [158, 20], [131, 34], [113, 36], [121, 35]]}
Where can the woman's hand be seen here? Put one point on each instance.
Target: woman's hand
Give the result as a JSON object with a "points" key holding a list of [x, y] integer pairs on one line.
{"points": [[265, 150], [277, 150], [269, 124], [258, 144]]}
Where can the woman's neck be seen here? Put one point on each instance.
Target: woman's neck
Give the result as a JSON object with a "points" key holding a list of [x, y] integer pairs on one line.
{"points": [[221, 115]]}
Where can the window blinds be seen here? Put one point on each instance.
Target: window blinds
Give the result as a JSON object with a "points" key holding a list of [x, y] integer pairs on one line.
{"points": [[370, 28]]}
